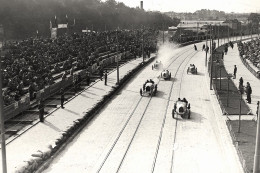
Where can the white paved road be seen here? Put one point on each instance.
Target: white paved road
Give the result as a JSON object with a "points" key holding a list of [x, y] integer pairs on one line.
{"points": [[138, 134]]}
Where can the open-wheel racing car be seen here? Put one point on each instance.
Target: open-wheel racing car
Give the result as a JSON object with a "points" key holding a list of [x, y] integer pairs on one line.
{"points": [[149, 88], [157, 65], [192, 69], [166, 75], [182, 108]]}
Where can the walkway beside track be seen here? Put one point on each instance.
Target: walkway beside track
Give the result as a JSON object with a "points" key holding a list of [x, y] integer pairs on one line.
{"points": [[232, 58], [40, 136]]}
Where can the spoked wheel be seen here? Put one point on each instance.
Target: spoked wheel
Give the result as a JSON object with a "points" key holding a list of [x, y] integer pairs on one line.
{"points": [[155, 89]]}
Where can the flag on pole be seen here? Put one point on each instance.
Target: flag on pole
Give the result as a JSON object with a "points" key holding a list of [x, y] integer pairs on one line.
{"points": [[67, 19], [50, 25], [56, 24]]}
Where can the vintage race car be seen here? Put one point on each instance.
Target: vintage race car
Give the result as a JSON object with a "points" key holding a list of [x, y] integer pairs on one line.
{"points": [[192, 69], [157, 65], [166, 75], [149, 89], [182, 108]]}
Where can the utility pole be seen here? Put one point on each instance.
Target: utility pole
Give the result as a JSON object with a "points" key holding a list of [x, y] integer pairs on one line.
{"points": [[197, 30], [206, 46], [117, 59], [228, 33], [251, 29], [241, 32], [163, 33], [257, 146], [3, 146], [180, 32], [211, 59], [239, 121], [218, 36], [143, 44], [228, 91]]}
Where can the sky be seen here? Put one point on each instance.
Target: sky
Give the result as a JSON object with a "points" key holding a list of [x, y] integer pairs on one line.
{"points": [[240, 6]]}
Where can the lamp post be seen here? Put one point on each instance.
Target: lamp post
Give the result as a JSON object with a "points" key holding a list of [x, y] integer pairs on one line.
{"points": [[218, 35], [218, 65], [206, 48], [239, 121], [257, 147], [211, 61], [117, 59], [229, 76], [220, 77]]}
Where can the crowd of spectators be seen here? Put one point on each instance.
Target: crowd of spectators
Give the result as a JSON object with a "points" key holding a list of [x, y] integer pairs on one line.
{"points": [[31, 64], [250, 50]]}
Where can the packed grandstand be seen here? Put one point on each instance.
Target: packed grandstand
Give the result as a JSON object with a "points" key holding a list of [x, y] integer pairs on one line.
{"points": [[32, 64]]}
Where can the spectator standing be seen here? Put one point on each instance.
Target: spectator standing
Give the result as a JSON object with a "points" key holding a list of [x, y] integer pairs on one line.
{"points": [[235, 72], [30, 89], [226, 49], [195, 47], [41, 110], [101, 74], [241, 81], [207, 49], [88, 79], [203, 47], [241, 87], [248, 93], [105, 77], [62, 99]]}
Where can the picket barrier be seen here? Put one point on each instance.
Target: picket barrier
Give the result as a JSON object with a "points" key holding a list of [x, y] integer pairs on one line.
{"points": [[16, 108]]}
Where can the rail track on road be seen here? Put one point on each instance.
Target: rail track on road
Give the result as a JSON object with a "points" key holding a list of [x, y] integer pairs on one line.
{"points": [[190, 53]]}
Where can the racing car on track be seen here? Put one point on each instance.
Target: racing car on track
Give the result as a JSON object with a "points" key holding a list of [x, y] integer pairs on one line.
{"points": [[157, 65], [166, 75], [182, 108], [192, 69], [149, 88]]}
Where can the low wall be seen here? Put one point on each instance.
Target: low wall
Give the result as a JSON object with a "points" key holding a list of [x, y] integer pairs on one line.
{"points": [[42, 158], [16, 108]]}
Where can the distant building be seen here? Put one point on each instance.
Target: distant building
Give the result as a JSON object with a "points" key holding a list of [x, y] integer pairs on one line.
{"points": [[142, 5], [195, 25], [233, 24]]}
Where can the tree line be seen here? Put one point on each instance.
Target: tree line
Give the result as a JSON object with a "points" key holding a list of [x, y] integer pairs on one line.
{"points": [[22, 18]]}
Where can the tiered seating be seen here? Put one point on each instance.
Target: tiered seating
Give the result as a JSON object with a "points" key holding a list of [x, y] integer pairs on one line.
{"points": [[251, 51], [32, 64]]}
